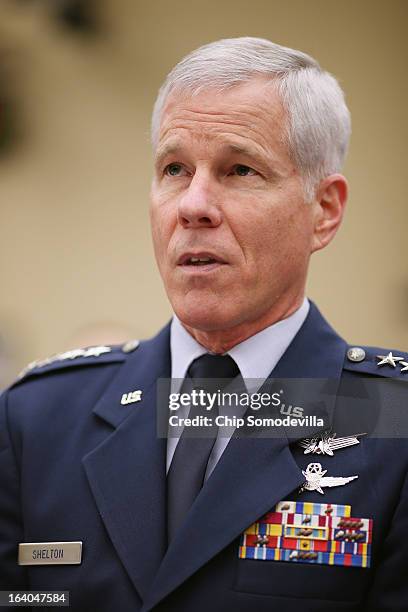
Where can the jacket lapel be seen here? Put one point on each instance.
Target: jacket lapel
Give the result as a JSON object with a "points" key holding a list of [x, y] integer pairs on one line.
{"points": [[253, 474], [127, 472], [251, 477]]}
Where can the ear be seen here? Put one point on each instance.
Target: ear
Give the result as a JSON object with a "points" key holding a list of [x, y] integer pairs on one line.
{"points": [[329, 204]]}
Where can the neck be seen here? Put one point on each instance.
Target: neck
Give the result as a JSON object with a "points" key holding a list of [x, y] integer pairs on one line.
{"points": [[222, 340]]}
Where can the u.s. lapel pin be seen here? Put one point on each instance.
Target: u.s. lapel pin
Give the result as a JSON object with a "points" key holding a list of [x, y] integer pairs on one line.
{"points": [[131, 397], [327, 442], [316, 479]]}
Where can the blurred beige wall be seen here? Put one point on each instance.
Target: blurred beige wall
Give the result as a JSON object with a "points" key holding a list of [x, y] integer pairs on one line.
{"points": [[75, 250]]}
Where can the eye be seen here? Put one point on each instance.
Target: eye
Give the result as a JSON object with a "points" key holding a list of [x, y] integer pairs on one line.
{"points": [[173, 169], [242, 170]]}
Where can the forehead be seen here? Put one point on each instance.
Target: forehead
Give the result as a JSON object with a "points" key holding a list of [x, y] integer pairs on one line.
{"points": [[247, 113]]}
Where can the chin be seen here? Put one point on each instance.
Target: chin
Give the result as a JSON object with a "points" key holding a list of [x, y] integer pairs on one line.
{"points": [[204, 314]]}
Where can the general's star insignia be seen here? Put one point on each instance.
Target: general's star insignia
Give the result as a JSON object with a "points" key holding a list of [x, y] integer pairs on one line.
{"points": [[73, 354], [92, 351], [316, 479], [96, 351], [327, 442], [388, 360]]}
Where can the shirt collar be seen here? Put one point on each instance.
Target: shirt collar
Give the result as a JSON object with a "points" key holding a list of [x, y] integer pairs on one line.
{"points": [[256, 356]]}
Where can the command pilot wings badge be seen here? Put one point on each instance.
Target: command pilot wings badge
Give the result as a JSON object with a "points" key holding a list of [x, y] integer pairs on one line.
{"points": [[327, 442], [316, 479]]}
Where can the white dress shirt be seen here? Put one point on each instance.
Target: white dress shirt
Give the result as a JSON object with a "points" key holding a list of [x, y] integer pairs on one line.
{"points": [[256, 358]]}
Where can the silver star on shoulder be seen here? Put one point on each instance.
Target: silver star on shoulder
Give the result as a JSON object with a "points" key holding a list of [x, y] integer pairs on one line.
{"points": [[73, 354], [405, 364], [92, 351], [388, 360], [96, 351], [316, 479], [327, 442]]}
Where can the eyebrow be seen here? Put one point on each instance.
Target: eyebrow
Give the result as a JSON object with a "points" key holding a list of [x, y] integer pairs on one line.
{"points": [[166, 150], [247, 151], [173, 148]]}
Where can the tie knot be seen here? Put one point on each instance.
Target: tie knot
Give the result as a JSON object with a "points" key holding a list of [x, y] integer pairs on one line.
{"points": [[213, 366]]}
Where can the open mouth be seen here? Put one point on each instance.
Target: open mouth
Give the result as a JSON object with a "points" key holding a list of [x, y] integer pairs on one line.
{"points": [[199, 260]]}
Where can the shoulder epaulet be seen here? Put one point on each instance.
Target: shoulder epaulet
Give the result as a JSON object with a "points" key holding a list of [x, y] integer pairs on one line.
{"points": [[377, 361], [78, 357]]}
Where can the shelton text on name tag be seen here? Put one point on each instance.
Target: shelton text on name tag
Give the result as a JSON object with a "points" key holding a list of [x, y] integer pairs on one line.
{"points": [[49, 553]]}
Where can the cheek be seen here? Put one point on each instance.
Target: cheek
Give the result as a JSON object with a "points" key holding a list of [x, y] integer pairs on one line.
{"points": [[155, 228], [159, 243], [162, 222], [274, 238]]}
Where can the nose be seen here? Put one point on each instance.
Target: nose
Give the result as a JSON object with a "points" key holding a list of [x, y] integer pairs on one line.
{"points": [[198, 205]]}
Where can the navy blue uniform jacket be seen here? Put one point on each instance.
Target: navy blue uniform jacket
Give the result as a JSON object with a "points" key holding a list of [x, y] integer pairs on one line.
{"points": [[76, 464]]}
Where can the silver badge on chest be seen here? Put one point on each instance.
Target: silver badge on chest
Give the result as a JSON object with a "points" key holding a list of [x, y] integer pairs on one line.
{"points": [[327, 442], [316, 479]]}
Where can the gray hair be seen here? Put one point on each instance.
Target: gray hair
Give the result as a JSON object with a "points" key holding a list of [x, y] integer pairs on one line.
{"points": [[319, 127]]}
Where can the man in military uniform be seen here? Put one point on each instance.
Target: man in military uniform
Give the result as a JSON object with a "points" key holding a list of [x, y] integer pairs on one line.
{"points": [[249, 139]]}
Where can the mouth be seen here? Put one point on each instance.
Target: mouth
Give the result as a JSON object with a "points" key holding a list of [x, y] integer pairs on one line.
{"points": [[203, 261]]}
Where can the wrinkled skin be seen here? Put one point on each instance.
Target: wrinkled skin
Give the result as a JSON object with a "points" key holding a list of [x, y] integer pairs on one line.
{"points": [[226, 186]]}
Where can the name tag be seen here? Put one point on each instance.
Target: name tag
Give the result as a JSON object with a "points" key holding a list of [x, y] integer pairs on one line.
{"points": [[49, 553]]}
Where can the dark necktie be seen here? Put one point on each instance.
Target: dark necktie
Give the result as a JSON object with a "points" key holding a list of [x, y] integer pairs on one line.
{"points": [[187, 470]]}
